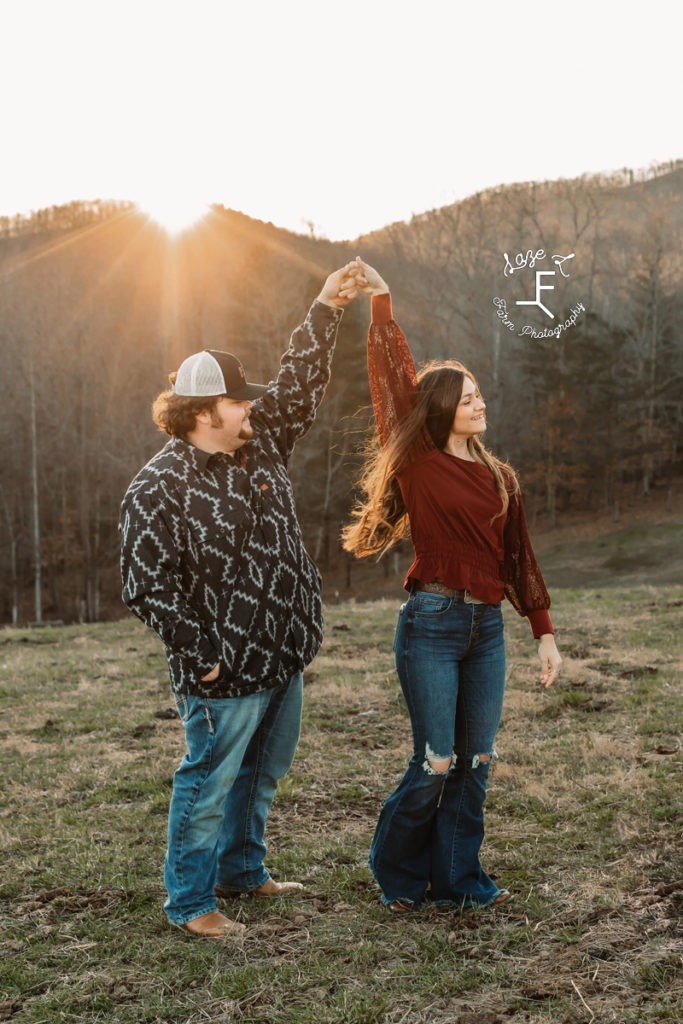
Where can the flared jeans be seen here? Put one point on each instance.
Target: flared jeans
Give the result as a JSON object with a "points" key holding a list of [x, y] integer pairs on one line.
{"points": [[450, 658]]}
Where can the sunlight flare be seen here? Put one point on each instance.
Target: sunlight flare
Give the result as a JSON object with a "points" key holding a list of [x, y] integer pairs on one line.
{"points": [[174, 212]]}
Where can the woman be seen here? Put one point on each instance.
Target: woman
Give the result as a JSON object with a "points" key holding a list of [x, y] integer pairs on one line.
{"points": [[431, 472]]}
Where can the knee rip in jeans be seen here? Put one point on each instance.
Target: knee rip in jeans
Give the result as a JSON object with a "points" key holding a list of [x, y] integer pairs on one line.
{"points": [[478, 759], [435, 764]]}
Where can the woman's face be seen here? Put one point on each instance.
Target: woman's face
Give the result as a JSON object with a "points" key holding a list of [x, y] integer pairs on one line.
{"points": [[470, 417]]}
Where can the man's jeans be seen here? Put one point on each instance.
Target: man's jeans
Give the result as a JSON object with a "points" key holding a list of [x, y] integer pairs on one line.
{"points": [[237, 751], [450, 657]]}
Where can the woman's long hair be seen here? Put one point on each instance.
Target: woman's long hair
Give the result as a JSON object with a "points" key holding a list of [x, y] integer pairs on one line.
{"points": [[381, 519]]}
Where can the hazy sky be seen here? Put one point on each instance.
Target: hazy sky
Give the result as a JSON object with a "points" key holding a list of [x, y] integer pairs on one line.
{"points": [[348, 115]]}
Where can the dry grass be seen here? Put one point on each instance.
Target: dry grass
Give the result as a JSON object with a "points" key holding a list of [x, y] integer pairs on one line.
{"points": [[583, 824]]}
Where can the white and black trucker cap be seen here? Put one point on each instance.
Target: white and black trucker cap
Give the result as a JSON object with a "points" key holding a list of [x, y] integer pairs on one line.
{"points": [[209, 373]]}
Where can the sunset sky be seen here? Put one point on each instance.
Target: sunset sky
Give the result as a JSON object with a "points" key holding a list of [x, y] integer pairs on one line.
{"points": [[346, 116]]}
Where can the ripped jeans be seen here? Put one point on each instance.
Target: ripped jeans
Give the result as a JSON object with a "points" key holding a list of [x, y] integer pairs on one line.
{"points": [[450, 658]]}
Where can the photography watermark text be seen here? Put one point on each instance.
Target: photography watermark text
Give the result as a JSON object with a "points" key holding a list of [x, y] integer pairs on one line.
{"points": [[533, 332]]}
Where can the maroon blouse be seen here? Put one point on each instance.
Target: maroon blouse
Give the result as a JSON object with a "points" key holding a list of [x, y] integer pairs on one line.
{"points": [[450, 501]]}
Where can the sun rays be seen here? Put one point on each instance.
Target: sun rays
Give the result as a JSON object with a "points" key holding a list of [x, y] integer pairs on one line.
{"points": [[173, 212]]}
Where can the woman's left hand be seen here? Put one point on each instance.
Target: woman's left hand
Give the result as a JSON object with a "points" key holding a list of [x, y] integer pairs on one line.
{"points": [[550, 660]]}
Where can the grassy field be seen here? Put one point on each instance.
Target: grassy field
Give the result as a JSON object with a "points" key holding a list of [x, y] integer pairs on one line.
{"points": [[584, 825], [619, 557]]}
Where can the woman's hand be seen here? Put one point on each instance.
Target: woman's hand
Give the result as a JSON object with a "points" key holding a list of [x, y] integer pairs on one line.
{"points": [[368, 280], [213, 674], [340, 287], [550, 660]]}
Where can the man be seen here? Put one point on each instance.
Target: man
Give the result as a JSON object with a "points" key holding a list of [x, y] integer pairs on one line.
{"points": [[213, 560]]}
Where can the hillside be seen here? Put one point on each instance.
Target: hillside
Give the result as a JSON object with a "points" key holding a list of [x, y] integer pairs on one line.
{"points": [[99, 305]]}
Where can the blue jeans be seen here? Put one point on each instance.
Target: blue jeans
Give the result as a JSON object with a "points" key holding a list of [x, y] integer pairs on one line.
{"points": [[238, 749], [450, 658]]}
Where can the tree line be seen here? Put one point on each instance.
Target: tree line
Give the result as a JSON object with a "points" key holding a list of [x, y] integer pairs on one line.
{"points": [[99, 305]]}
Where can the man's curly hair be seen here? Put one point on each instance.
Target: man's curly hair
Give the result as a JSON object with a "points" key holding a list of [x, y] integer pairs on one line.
{"points": [[177, 414]]}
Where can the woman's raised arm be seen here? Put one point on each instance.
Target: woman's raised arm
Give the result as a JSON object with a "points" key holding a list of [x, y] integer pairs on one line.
{"points": [[391, 369]]}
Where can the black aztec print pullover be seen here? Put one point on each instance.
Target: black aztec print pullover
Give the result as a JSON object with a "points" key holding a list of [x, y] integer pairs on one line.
{"points": [[212, 557]]}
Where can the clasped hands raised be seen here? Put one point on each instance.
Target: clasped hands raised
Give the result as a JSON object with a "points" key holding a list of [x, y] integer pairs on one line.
{"points": [[343, 285]]}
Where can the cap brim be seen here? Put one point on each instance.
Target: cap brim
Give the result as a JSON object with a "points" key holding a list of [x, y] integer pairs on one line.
{"points": [[249, 391]]}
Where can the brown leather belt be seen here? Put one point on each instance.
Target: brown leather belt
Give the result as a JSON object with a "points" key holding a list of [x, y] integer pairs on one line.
{"points": [[437, 587]]}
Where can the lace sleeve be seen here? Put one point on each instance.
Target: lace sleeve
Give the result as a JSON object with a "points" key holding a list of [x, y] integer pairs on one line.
{"points": [[393, 381], [524, 585]]}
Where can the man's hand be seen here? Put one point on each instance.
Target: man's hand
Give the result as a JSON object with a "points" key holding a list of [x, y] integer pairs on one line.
{"points": [[368, 280], [213, 674], [340, 287], [550, 659]]}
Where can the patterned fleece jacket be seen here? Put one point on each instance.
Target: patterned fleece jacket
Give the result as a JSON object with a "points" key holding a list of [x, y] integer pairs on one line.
{"points": [[212, 557]]}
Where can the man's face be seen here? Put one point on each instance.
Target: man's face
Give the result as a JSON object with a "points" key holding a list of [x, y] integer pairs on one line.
{"points": [[230, 425]]}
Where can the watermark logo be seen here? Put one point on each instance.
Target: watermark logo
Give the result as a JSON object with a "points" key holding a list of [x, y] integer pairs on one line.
{"points": [[535, 283]]}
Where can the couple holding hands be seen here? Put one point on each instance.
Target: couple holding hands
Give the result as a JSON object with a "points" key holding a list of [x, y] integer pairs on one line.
{"points": [[213, 560]]}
